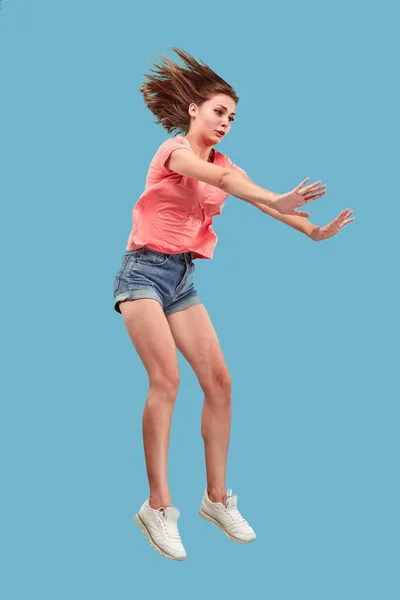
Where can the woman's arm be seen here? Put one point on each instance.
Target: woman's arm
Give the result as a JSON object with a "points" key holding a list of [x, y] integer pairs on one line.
{"points": [[316, 233], [300, 223], [184, 162]]}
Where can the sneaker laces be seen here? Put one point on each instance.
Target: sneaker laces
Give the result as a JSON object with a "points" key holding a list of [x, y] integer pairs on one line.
{"points": [[235, 515], [233, 512], [170, 528]]}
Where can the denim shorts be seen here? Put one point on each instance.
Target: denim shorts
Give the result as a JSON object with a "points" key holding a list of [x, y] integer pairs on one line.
{"points": [[167, 278]]}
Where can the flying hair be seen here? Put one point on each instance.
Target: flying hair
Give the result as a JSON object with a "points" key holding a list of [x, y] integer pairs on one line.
{"points": [[172, 88]]}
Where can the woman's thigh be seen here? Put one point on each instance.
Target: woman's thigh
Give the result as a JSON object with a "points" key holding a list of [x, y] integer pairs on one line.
{"points": [[197, 340], [150, 333]]}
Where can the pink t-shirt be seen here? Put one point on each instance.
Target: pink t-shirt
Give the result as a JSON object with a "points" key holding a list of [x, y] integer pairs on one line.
{"points": [[174, 214]]}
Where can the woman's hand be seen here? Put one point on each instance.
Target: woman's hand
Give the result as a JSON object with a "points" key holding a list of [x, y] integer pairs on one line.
{"points": [[323, 233], [287, 203]]}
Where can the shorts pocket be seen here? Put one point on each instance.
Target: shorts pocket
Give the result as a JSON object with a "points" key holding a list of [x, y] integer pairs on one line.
{"points": [[151, 258]]}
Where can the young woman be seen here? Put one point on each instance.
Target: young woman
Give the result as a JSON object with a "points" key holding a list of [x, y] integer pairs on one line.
{"points": [[186, 186]]}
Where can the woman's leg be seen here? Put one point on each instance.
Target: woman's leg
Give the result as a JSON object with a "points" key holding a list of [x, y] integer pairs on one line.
{"points": [[150, 333], [196, 338]]}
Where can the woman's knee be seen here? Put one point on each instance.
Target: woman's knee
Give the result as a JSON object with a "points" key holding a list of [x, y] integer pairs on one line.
{"points": [[165, 384], [217, 385]]}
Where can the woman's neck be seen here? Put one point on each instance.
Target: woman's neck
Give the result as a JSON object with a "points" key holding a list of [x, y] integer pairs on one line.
{"points": [[202, 151]]}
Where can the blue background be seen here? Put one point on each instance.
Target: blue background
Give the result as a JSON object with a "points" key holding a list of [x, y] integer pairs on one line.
{"points": [[310, 331]]}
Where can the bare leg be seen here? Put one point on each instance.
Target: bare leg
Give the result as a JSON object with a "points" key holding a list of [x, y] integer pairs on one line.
{"points": [[150, 333], [157, 417], [196, 338], [215, 429]]}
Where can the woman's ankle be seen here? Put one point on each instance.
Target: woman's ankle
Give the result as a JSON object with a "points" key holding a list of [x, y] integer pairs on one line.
{"points": [[159, 501], [216, 495]]}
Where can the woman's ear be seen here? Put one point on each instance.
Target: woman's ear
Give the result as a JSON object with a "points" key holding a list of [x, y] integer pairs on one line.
{"points": [[192, 109]]}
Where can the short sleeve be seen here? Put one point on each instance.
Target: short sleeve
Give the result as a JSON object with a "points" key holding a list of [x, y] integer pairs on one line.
{"points": [[168, 147]]}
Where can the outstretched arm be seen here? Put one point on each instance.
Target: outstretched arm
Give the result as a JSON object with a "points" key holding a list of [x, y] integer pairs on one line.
{"points": [[184, 162], [302, 224]]}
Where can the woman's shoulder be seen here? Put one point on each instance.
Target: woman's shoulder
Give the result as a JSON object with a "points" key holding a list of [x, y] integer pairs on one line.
{"points": [[158, 168], [176, 141]]}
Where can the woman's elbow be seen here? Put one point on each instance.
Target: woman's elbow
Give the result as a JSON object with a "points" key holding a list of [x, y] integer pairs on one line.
{"points": [[223, 181]]}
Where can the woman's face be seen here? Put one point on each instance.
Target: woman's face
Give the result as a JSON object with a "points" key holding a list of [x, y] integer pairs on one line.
{"points": [[215, 115]]}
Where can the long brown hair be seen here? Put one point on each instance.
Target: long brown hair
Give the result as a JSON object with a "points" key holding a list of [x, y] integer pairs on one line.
{"points": [[169, 92]]}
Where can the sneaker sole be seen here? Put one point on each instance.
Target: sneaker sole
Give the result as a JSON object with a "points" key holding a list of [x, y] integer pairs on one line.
{"points": [[217, 524], [143, 527]]}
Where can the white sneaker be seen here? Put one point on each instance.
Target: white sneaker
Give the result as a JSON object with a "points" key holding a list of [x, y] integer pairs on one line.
{"points": [[227, 517], [161, 529]]}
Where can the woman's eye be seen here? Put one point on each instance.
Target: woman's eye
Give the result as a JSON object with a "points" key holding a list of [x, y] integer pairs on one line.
{"points": [[220, 111]]}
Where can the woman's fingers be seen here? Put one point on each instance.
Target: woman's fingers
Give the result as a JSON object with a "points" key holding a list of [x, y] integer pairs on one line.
{"points": [[342, 219], [307, 189], [344, 214], [311, 187], [341, 216], [315, 196], [307, 198], [301, 184], [346, 222]]}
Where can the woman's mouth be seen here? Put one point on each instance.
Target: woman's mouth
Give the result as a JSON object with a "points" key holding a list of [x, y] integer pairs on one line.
{"points": [[220, 134]]}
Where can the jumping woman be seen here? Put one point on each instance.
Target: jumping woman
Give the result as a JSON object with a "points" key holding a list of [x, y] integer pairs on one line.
{"points": [[187, 184]]}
